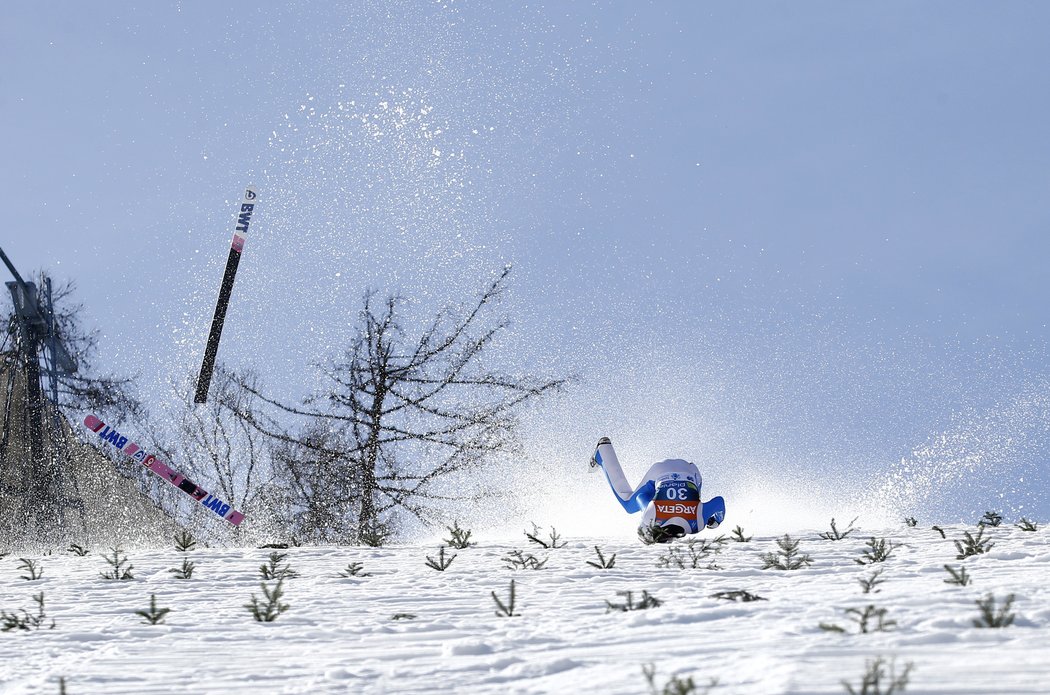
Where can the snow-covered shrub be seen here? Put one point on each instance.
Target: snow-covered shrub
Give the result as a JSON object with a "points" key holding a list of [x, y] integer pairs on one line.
{"points": [[647, 601], [441, 563], [1026, 525], [738, 595], [460, 537], [872, 682], [552, 538], [185, 571], [518, 560], [738, 535], [506, 610], [696, 554], [269, 611], [787, 557], [868, 584], [25, 621], [992, 616], [675, 686], [153, 616], [32, 569], [603, 562], [957, 577], [354, 569], [277, 568], [971, 545], [834, 534], [991, 519], [878, 551], [184, 542], [867, 619], [119, 567]]}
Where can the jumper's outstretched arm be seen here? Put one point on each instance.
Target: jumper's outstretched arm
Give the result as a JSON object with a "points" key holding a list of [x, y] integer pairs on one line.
{"points": [[633, 500]]}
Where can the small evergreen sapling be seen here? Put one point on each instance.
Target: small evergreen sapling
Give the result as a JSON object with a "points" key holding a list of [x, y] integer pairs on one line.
{"points": [[878, 551], [1026, 525], [374, 535], [676, 686], [184, 542], [787, 558], [911, 522], [868, 584], [958, 577], [354, 569], [738, 595], [119, 567], [441, 563], [518, 560], [992, 616], [32, 569], [738, 535], [185, 571], [834, 534], [25, 621], [551, 543], [694, 556], [154, 616], [648, 601], [991, 519], [972, 545], [277, 568], [868, 619], [939, 530], [270, 610], [875, 675], [506, 610], [460, 539], [603, 563], [77, 550]]}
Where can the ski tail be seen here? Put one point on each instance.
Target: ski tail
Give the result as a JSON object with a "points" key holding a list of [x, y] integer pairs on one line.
{"points": [[211, 350]]}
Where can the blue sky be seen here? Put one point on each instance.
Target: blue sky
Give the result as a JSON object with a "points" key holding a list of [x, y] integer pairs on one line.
{"points": [[776, 239]]}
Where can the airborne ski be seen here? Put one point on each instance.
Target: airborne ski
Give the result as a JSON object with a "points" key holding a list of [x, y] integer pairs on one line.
{"points": [[240, 235], [132, 450]]}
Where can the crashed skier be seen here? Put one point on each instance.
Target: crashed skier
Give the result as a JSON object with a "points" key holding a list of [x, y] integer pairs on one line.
{"points": [[668, 496]]}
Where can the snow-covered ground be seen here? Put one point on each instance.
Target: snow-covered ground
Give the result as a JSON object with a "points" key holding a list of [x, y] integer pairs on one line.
{"points": [[339, 635]]}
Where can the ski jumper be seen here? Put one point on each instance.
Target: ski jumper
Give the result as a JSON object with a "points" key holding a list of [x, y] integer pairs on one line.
{"points": [[668, 496]]}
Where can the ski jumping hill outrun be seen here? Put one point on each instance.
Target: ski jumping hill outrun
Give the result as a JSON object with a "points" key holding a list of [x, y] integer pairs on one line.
{"points": [[506, 615]]}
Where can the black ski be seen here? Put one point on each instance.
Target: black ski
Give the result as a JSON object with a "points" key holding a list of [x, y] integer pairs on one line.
{"points": [[240, 234]]}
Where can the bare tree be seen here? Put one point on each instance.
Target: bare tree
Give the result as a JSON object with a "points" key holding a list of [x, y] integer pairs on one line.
{"points": [[319, 497], [401, 415], [215, 442]]}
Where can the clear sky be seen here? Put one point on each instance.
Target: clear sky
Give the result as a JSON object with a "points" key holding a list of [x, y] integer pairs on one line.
{"points": [[802, 244]]}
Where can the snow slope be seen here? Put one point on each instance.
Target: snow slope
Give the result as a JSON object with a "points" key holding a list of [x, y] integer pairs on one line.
{"points": [[339, 635]]}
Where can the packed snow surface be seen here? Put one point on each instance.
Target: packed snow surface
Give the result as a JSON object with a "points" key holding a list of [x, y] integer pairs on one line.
{"points": [[340, 634]]}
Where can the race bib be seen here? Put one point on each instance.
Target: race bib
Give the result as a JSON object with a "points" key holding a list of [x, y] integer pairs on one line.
{"points": [[677, 498]]}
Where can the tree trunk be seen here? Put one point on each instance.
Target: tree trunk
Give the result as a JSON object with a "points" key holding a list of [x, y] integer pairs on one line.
{"points": [[366, 520]]}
